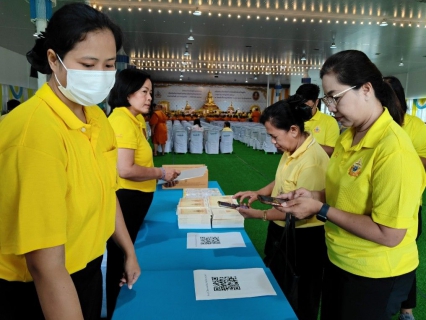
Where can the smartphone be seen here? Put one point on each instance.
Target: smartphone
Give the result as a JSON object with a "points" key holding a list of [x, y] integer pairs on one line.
{"points": [[230, 205], [271, 200]]}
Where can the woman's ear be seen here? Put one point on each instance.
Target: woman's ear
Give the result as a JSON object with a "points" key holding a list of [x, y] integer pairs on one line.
{"points": [[53, 60], [367, 90], [294, 131]]}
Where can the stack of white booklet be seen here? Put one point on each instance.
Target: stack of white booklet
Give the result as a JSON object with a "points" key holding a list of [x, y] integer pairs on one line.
{"points": [[200, 192], [205, 212], [223, 217], [193, 213], [226, 218]]}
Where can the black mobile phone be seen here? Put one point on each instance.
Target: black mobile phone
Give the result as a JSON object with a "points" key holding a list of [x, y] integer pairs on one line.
{"points": [[230, 205], [271, 200]]}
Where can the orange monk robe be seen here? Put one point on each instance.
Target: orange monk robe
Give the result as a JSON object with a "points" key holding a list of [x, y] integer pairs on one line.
{"points": [[160, 131], [255, 116]]}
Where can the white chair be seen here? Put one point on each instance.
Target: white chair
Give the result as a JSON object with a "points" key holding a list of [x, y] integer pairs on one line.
{"points": [[196, 142], [268, 146], [180, 141], [212, 141], [262, 138], [254, 137], [247, 135], [226, 142], [169, 143]]}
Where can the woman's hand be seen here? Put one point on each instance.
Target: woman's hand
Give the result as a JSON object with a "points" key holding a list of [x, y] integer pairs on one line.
{"points": [[250, 213], [170, 184], [302, 192], [170, 174], [251, 196], [301, 207], [131, 273]]}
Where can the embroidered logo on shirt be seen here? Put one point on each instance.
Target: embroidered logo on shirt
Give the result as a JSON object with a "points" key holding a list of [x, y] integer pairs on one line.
{"points": [[355, 169], [317, 129]]}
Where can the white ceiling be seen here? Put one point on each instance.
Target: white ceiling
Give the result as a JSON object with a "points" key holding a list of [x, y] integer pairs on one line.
{"points": [[259, 37]]}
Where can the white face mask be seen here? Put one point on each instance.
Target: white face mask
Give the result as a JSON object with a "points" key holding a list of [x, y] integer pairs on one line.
{"points": [[87, 87]]}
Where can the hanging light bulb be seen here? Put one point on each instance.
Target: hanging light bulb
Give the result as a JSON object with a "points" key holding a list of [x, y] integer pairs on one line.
{"points": [[191, 38], [401, 63], [333, 45], [383, 23], [197, 12]]}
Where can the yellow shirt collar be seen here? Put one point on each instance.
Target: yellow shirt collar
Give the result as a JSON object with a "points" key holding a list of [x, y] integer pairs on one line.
{"points": [[305, 145], [373, 135], [70, 119]]}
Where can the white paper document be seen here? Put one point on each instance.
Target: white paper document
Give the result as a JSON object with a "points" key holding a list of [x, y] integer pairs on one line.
{"points": [[231, 284], [214, 240], [188, 174]]}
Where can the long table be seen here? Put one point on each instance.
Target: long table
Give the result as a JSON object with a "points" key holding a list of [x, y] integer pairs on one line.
{"points": [[165, 289]]}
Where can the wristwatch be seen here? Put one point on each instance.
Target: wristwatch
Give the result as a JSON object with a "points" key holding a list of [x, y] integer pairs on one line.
{"points": [[322, 214]]}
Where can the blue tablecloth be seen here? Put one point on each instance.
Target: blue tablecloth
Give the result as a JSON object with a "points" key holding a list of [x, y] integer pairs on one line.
{"points": [[165, 289]]}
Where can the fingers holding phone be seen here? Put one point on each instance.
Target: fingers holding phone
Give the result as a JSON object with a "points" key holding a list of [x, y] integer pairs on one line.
{"points": [[273, 201], [243, 195]]}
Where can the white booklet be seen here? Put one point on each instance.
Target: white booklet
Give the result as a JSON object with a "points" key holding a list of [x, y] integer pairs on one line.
{"points": [[214, 240], [231, 284], [188, 174]]}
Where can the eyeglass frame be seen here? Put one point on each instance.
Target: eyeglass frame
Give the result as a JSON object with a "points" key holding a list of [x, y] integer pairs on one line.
{"points": [[333, 98]]}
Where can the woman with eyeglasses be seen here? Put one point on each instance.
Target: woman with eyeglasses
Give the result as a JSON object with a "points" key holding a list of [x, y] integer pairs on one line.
{"points": [[373, 185]]}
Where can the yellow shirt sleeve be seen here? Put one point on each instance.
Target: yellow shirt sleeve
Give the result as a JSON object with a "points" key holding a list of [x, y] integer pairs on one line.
{"points": [[125, 132]]}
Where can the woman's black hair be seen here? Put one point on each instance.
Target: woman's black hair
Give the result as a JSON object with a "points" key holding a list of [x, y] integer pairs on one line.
{"points": [[286, 113], [399, 91], [67, 27], [197, 121], [127, 81], [354, 68]]}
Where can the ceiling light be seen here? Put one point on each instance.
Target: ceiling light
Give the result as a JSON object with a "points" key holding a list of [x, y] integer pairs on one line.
{"points": [[303, 58], [401, 64], [181, 75], [197, 12], [383, 23], [191, 38], [333, 45], [255, 77]]}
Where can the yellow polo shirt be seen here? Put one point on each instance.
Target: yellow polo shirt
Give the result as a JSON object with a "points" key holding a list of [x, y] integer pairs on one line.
{"points": [[416, 130], [59, 179], [382, 176], [128, 132], [305, 168], [324, 128], [142, 121]]}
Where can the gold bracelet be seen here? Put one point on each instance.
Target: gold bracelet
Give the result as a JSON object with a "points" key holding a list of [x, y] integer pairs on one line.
{"points": [[265, 212]]}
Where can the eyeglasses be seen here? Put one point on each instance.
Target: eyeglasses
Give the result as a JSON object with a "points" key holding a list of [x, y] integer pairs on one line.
{"points": [[331, 101]]}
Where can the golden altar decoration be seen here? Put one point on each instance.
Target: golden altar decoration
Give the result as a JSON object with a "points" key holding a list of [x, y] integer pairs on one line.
{"points": [[209, 104]]}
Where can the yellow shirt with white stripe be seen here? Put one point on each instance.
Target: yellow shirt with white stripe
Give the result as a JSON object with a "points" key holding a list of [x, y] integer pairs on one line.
{"points": [[59, 181], [381, 177], [324, 128], [305, 168], [128, 132]]}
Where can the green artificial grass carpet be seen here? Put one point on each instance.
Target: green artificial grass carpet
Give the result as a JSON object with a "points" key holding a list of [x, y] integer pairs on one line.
{"points": [[248, 169]]}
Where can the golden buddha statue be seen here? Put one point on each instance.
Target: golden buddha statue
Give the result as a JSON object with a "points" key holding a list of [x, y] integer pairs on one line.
{"points": [[209, 99], [187, 106], [231, 108], [209, 103]]}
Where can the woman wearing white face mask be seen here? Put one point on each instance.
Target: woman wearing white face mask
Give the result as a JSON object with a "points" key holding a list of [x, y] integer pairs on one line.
{"points": [[58, 159]]}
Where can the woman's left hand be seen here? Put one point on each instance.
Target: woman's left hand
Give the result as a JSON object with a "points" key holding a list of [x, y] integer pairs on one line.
{"points": [[250, 213], [301, 208], [171, 184], [131, 273]]}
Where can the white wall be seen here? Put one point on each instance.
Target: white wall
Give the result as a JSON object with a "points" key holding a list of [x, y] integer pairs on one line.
{"points": [[15, 70]]}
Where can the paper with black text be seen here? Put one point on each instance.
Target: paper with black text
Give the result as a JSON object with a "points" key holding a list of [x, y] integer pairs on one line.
{"points": [[231, 284], [214, 240]]}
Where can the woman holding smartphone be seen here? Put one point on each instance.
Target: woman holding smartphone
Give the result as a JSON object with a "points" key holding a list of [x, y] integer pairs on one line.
{"points": [[303, 164], [372, 195]]}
